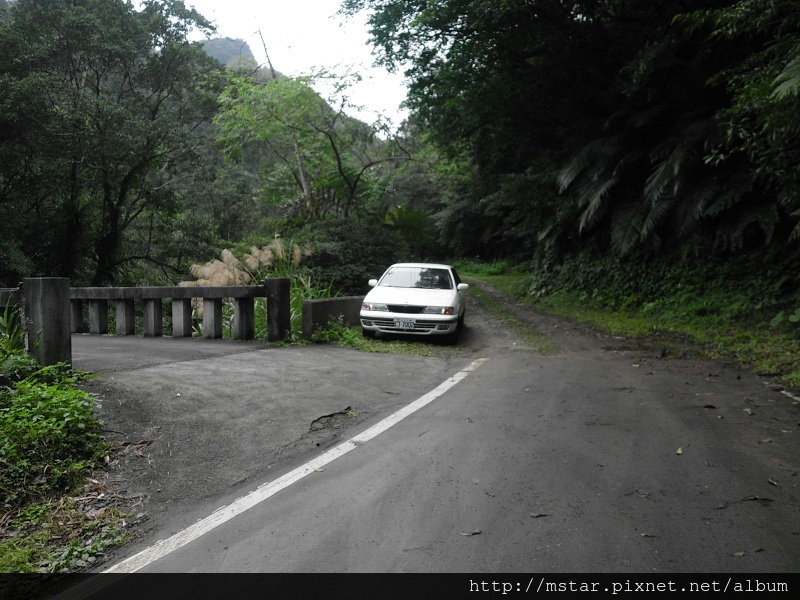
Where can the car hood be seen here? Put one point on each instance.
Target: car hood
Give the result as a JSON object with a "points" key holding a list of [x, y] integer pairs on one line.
{"points": [[413, 296]]}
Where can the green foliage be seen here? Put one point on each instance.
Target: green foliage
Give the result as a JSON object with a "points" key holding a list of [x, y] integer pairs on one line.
{"points": [[12, 333], [416, 229], [317, 160], [744, 309], [482, 269], [16, 366], [340, 334], [661, 130], [718, 290], [349, 254], [47, 439], [89, 163], [57, 537]]}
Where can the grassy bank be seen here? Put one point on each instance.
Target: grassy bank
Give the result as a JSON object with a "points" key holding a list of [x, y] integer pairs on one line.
{"points": [[724, 323]]}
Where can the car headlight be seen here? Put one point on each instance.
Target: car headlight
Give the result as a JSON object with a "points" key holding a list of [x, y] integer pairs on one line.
{"points": [[438, 310], [374, 306]]}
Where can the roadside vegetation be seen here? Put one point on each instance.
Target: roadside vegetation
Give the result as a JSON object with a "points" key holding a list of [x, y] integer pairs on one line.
{"points": [[54, 517], [340, 334], [709, 310]]}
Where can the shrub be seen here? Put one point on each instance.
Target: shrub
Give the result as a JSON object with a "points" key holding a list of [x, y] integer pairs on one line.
{"points": [[12, 334], [348, 254], [48, 437]]}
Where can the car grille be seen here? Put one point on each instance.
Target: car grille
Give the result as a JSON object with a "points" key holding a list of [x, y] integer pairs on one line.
{"points": [[403, 308]]}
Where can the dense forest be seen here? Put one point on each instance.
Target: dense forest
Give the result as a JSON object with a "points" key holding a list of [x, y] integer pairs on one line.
{"points": [[594, 141]]}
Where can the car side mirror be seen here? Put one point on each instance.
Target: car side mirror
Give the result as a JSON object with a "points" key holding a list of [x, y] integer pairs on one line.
{"points": [[463, 287], [373, 282]]}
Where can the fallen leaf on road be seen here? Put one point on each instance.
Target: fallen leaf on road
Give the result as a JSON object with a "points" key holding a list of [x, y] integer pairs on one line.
{"points": [[679, 451], [765, 441], [319, 470], [749, 411], [738, 554], [476, 532], [772, 482]]}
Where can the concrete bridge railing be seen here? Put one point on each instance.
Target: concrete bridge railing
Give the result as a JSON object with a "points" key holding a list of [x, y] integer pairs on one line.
{"points": [[277, 292], [53, 311]]}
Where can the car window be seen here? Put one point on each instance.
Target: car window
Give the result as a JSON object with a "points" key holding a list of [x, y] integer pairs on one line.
{"points": [[416, 277]]}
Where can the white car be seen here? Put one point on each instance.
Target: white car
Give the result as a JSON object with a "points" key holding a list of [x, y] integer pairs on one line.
{"points": [[416, 299]]}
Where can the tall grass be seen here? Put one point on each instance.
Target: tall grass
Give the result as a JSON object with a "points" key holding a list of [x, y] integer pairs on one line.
{"points": [[12, 333], [277, 259]]}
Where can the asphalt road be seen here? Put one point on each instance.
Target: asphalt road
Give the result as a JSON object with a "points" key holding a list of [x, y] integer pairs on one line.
{"points": [[599, 457]]}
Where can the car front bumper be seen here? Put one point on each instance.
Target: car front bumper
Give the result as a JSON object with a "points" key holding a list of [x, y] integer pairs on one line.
{"points": [[408, 324]]}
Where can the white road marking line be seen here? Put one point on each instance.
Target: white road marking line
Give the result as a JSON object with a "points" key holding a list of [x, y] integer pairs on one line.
{"points": [[791, 395], [226, 513]]}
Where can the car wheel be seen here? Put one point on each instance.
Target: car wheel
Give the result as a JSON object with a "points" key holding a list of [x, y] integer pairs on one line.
{"points": [[451, 339]]}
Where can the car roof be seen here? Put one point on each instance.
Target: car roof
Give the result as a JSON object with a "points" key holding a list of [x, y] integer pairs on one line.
{"points": [[422, 265]]}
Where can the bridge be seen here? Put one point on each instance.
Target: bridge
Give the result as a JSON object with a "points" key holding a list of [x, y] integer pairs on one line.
{"points": [[53, 311]]}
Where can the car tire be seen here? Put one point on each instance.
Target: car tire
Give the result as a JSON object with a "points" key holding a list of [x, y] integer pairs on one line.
{"points": [[451, 339]]}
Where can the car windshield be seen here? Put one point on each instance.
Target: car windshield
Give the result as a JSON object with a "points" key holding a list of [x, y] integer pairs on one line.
{"points": [[417, 277]]}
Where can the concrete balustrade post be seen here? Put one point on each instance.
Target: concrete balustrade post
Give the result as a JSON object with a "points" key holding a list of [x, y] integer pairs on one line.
{"points": [[244, 325], [48, 319], [279, 308], [181, 317], [212, 318], [98, 316], [76, 318], [126, 317], [153, 317]]}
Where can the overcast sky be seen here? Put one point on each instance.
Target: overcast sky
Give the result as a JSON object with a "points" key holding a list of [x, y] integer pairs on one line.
{"points": [[303, 35]]}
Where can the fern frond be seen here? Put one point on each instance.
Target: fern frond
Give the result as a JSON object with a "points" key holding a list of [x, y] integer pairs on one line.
{"points": [[626, 228], [787, 83], [595, 203]]}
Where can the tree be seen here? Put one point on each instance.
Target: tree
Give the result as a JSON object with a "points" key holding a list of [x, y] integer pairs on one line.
{"points": [[104, 107], [703, 143], [503, 88], [674, 120], [761, 125], [320, 157]]}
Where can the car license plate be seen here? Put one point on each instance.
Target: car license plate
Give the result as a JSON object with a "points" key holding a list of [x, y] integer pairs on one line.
{"points": [[404, 323]]}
